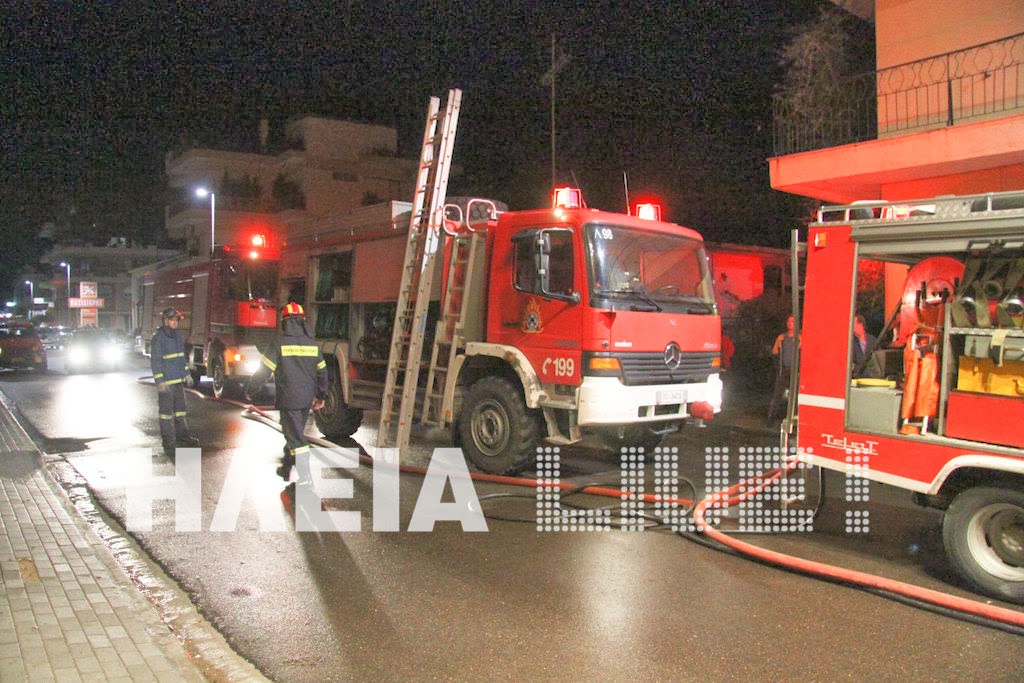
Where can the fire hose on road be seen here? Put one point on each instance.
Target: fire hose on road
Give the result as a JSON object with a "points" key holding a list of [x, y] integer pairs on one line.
{"points": [[974, 611]]}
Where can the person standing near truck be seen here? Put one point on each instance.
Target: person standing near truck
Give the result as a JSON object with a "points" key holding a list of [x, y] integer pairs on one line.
{"points": [[170, 373], [862, 346], [300, 378], [784, 350]]}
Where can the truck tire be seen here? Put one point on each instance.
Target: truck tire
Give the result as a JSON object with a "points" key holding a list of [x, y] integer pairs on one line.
{"points": [[983, 531], [498, 432], [219, 375], [336, 419]]}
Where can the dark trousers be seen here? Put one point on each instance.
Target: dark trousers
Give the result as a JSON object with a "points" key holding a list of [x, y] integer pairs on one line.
{"points": [[777, 406], [293, 426], [171, 404]]}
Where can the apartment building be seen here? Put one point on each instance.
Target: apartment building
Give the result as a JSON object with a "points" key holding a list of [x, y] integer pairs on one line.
{"points": [[943, 113], [323, 166]]}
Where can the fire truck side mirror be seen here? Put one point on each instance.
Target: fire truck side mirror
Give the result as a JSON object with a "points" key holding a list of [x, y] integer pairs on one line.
{"points": [[544, 261], [560, 286]]}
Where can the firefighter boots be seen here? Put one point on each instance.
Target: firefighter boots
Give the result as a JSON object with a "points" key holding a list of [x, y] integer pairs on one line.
{"points": [[285, 470], [188, 441]]}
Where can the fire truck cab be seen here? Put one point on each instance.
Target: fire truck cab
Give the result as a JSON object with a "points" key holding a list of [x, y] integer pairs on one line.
{"points": [[586, 322], [934, 401]]}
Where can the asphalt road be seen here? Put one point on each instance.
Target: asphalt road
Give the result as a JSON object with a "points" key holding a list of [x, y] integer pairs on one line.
{"points": [[511, 602]]}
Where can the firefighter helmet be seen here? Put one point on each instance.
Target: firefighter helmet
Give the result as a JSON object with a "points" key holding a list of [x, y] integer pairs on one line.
{"points": [[169, 313], [292, 309]]}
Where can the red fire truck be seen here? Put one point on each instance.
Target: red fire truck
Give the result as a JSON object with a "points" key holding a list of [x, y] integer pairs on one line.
{"points": [[935, 405], [544, 326], [227, 301], [569, 320]]}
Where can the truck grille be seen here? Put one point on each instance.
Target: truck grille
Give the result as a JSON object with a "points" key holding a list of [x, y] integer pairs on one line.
{"points": [[650, 368]]}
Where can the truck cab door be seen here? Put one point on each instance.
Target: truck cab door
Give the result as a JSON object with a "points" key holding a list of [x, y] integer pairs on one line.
{"points": [[541, 313]]}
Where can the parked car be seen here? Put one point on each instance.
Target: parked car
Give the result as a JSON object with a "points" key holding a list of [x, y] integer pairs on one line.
{"points": [[54, 337], [20, 347], [91, 349]]}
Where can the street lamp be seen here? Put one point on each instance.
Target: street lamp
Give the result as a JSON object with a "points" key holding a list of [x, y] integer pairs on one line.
{"points": [[31, 298], [68, 266], [202, 193]]}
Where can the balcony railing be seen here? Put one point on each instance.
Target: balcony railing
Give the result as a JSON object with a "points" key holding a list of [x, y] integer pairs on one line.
{"points": [[983, 81]]}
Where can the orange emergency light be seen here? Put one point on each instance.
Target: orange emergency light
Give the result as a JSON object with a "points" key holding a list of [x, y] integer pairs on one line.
{"points": [[567, 198]]}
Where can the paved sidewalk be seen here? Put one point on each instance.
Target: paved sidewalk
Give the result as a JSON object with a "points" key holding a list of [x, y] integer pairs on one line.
{"points": [[68, 611]]}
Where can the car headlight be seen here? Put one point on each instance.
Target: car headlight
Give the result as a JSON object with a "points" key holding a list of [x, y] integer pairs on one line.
{"points": [[111, 353], [78, 355]]}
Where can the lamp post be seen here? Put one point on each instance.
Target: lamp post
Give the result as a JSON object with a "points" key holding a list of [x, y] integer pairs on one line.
{"points": [[31, 298], [68, 266], [202, 193]]}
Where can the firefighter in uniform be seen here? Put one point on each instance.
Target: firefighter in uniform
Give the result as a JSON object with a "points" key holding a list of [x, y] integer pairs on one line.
{"points": [[300, 379], [170, 372]]}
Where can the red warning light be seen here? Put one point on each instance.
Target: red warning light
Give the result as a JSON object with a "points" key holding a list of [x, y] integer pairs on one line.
{"points": [[648, 211], [567, 198], [259, 240]]}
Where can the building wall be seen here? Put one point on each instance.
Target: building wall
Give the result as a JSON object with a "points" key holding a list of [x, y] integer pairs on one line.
{"points": [[979, 182], [908, 30], [328, 139]]}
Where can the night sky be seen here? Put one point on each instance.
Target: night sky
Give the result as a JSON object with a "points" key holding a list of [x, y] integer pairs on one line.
{"points": [[675, 95]]}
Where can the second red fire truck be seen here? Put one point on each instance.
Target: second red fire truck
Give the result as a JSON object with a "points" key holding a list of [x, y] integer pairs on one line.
{"points": [[936, 405], [227, 301]]}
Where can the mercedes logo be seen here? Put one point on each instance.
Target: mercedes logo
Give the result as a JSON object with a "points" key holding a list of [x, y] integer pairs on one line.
{"points": [[673, 356]]}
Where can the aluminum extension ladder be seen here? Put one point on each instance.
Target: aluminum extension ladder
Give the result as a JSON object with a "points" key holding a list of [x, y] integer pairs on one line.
{"points": [[406, 349]]}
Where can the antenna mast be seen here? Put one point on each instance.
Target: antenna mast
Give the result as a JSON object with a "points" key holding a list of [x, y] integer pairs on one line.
{"points": [[558, 62], [553, 110]]}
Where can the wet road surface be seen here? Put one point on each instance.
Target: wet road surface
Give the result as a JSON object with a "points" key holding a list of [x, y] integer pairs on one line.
{"points": [[512, 602]]}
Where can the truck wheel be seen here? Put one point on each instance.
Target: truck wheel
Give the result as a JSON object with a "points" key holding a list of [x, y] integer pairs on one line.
{"points": [[219, 376], [983, 531], [499, 434], [336, 419]]}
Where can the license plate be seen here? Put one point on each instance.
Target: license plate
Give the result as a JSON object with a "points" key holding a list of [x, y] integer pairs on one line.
{"points": [[664, 397]]}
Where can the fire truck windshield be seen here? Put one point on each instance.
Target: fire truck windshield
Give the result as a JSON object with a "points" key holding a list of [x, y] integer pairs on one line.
{"points": [[248, 280], [652, 271]]}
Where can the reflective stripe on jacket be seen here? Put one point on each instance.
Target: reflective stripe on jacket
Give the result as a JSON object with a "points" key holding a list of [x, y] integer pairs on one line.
{"points": [[167, 356], [300, 372]]}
